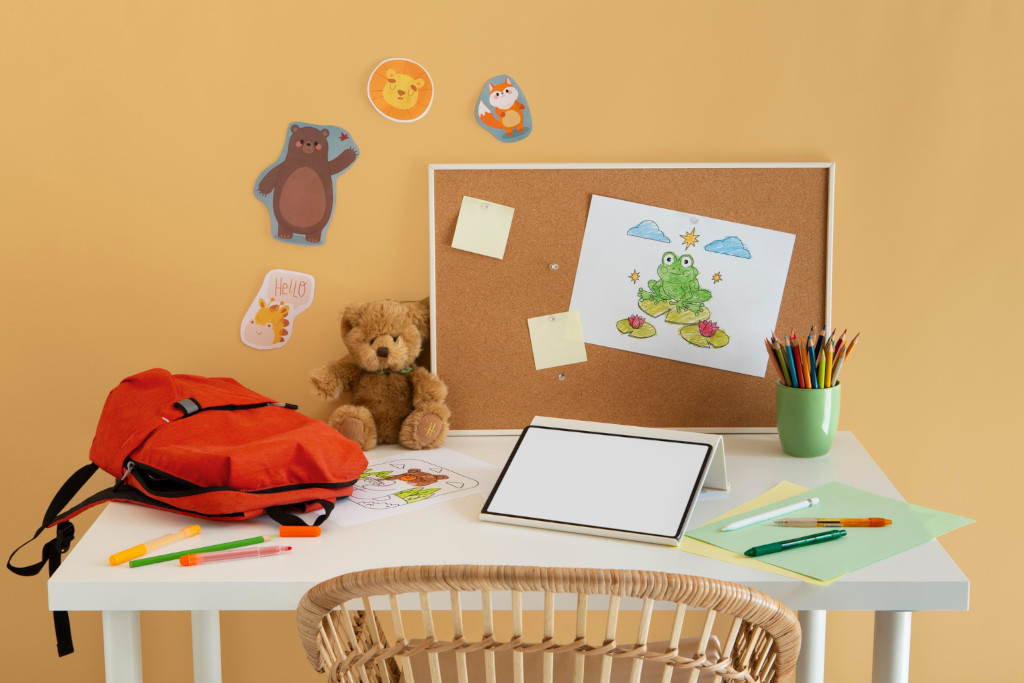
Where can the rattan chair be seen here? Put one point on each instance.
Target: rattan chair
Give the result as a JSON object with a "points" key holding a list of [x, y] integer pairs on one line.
{"points": [[740, 635]]}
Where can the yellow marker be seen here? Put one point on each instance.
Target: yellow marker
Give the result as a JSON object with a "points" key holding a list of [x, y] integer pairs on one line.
{"points": [[142, 549]]}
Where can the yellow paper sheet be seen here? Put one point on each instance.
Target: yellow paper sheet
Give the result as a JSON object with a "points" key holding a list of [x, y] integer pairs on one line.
{"points": [[776, 493], [557, 339], [483, 227]]}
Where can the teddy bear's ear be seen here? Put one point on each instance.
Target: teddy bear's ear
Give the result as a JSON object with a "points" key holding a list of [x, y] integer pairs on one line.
{"points": [[419, 315], [350, 317]]}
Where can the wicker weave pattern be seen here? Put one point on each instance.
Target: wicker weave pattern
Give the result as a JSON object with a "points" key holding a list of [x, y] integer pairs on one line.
{"points": [[350, 645]]}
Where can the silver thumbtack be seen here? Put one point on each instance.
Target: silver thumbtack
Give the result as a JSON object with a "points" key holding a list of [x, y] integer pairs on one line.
{"points": [[561, 377], [553, 266]]}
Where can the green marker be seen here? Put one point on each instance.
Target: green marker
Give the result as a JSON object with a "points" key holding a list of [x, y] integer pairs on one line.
{"points": [[204, 549], [800, 542]]}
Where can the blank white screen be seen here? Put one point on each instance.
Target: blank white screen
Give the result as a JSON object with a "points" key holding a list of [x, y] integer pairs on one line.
{"points": [[610, 481]]}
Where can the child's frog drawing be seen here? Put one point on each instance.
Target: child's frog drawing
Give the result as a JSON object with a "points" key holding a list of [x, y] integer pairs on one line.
{"points": [[678, 284]]}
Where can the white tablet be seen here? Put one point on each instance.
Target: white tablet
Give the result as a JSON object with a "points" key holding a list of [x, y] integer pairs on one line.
{"points": [[622, 486]]}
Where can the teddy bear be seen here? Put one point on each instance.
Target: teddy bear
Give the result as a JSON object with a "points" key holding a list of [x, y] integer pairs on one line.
{"points": [[393, 399]]}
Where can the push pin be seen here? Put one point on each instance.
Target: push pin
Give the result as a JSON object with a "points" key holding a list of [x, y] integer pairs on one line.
{"points": [[561, 377], [553, 266]]}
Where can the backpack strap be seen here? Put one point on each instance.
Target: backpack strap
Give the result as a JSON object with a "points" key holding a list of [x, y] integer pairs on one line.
{"points": [[56, 548], [281, 515], [190, 406]]}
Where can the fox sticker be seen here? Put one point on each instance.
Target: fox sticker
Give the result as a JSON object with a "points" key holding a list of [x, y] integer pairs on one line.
{"points": [[502, 110]]}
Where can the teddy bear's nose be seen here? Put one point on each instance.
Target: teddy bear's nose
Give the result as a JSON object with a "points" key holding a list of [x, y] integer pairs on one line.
{"points": [[382, 352]]}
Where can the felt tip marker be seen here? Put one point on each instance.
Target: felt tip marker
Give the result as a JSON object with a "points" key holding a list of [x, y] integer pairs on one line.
{"points": [[204, 558], [143, 548], [800, 542], [834, 521], [206, 548]]}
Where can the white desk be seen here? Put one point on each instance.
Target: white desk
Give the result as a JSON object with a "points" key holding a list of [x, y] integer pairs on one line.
{"points": [[921, 579]]}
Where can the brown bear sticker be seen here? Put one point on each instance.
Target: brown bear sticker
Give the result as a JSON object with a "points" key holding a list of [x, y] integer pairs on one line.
{"points": [[298, 189]]}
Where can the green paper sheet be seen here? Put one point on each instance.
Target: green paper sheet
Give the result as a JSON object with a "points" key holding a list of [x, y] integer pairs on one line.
{"points": [[912, 525]]}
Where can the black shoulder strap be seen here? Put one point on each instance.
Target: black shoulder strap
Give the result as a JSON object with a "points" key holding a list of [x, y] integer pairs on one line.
{"points": [[281, 515], [55, 549]]}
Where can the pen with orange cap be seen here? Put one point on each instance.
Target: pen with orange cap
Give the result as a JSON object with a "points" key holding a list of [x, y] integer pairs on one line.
{"points": [[834, 521]]}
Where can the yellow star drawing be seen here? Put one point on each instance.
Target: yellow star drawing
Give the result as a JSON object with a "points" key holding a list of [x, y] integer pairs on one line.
{"points": [[690, 238], [716, 278], [634, 276]]}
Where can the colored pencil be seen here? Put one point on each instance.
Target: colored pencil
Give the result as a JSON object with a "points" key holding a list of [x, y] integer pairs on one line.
{"points": [[775, 359], [792, 364], [799, 364], [853, 343], [840, 357], [829, 350], [813, 365], [842, 340], [806, 358], [782, 362]]}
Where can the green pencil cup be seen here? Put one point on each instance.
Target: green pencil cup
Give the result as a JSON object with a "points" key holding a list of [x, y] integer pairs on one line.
{"points": [[807, 419]]}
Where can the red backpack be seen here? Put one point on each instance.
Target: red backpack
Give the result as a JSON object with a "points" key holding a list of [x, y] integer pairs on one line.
{"points": [[204, 447]]}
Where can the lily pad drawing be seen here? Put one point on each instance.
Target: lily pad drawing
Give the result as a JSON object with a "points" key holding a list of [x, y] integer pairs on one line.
{"points": [[684, 317], [704, 334], [636, 327]]}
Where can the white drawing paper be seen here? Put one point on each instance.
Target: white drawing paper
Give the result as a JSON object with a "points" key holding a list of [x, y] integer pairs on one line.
{"points": [[395, 485], [680, 286]]}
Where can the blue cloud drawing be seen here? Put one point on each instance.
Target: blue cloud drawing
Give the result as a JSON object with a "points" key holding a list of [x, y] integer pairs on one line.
{"points": [[648, 230], [730, 246]]}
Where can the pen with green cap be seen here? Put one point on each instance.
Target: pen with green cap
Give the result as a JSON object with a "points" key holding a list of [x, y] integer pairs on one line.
{"points": [[800, 542]]}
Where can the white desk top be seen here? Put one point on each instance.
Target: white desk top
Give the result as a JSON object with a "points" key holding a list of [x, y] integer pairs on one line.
{"points": [[923, 578]]}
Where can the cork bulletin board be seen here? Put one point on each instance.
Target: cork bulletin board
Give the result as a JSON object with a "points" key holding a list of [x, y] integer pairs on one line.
{"points": [[480, 342]]}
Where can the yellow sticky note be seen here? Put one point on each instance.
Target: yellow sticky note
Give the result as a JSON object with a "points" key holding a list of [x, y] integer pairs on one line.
{"points": [[782, 491], [557, 339], [483, 227]]}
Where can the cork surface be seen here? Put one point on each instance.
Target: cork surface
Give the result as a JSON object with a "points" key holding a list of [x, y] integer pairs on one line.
{"points": [[482, 304]]}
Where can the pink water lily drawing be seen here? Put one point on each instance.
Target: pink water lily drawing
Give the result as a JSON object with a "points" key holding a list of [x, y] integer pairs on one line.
{"points": [[707, 328]]}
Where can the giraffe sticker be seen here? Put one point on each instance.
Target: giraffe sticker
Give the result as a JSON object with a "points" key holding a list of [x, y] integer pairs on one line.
{"points": [[268, 322]]}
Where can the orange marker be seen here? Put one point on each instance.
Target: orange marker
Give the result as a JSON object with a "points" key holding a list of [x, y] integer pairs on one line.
{"points": [[299, 531]]}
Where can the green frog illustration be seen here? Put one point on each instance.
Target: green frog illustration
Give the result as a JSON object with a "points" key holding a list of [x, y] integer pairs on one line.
{"points": [[678, 284]]}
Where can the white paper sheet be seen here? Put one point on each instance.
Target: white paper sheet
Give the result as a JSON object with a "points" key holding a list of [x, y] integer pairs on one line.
{"points": [[427, 478], [711, 288]]}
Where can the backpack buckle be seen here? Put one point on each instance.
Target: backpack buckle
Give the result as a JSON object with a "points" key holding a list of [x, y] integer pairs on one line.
{"points": [[188, 406]]}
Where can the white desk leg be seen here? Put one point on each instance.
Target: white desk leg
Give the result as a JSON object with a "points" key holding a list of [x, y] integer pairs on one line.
{"points": [[122, 647], [206, 646], [891, 659], [810, 666]]}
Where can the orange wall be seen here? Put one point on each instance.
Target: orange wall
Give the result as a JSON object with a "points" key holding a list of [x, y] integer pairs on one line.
{"points": [[132, 134]]}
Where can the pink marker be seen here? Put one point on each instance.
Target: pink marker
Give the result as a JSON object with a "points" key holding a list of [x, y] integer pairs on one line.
{"points": [[203, 558]]}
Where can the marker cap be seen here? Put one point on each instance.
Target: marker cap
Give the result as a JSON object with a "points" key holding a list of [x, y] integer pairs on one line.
{"points": [[299, 531]]}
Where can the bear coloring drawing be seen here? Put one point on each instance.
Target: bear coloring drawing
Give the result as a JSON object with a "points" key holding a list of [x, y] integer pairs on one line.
{"points": [[298, 190]]}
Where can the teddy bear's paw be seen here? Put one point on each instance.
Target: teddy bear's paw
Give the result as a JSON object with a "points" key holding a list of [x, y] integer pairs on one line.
{"points": [[424, 429], [352, 429], [355, 424], [325, 385]]}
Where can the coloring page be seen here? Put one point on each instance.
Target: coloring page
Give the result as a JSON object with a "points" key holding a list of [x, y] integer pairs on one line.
{"points": [[680, 286], [395, 485]]}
